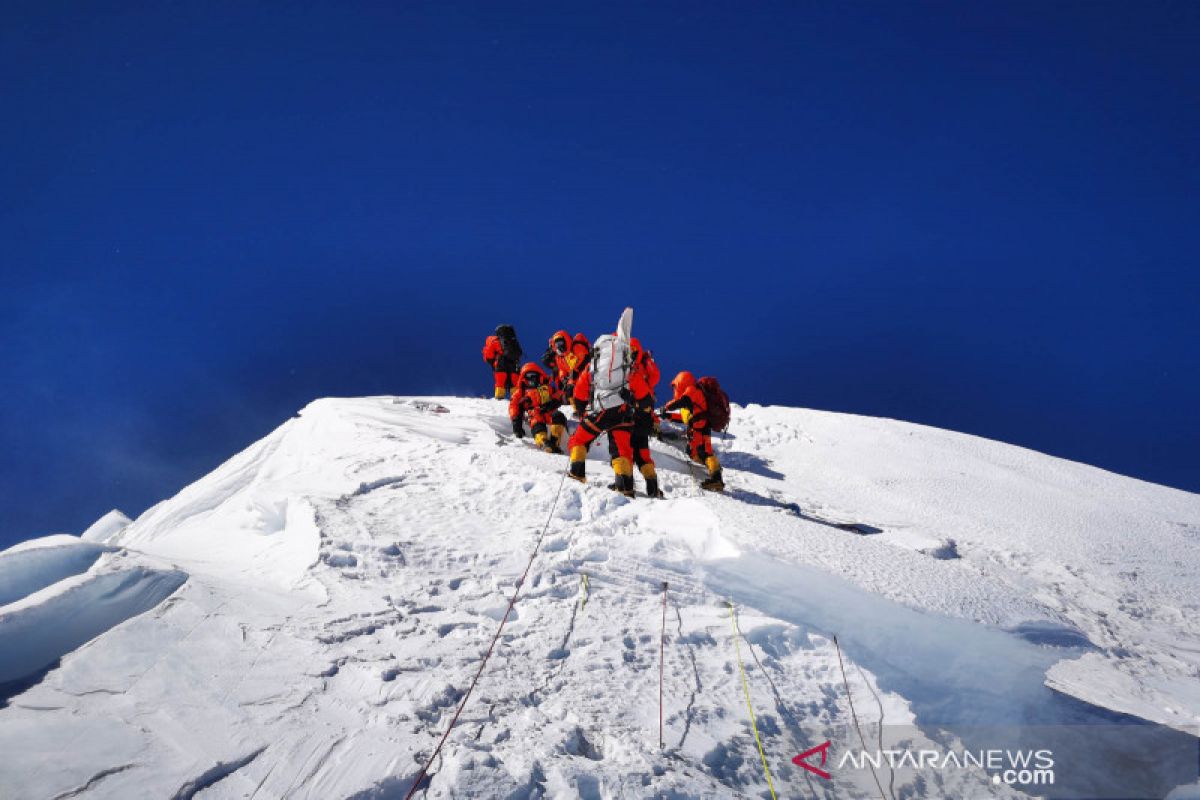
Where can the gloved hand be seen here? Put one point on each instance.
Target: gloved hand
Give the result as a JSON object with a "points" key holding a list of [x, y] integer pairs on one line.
{"points": [[518, 428]]}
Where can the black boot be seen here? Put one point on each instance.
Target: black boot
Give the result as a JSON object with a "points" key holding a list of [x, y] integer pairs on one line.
{"points": [[555, 443], [651, 476]]}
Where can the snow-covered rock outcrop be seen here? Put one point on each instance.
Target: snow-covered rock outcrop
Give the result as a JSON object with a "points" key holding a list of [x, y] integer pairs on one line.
{"points": [[303, 621]]}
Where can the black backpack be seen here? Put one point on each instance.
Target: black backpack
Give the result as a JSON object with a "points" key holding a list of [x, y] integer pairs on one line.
{"points": [[508, 341]]}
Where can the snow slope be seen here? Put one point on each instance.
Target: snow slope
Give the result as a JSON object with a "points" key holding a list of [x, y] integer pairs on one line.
{"points": [[302, 622]]}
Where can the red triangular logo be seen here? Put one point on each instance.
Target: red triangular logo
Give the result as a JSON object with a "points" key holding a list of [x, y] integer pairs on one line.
{"points": [[802, 760]]}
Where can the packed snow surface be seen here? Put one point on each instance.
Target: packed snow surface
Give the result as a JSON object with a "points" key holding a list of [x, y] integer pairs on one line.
{"points": [[303, 621]]}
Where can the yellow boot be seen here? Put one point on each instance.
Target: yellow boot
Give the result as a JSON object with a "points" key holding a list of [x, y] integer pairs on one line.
{"points": [[578, 459], [714, 483], [651, 477], [624, 472], [500, 392]]}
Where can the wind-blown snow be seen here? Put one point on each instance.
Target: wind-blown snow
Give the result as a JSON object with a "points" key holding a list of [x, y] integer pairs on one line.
{"points": [[302, 622], [35, 631], [106, 527], [29, 566]]}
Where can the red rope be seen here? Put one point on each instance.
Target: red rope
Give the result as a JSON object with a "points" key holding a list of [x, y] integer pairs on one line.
{"points": [[512, 602]]}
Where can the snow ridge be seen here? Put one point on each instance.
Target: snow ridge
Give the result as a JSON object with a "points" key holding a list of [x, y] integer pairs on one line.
{"points": [[307, 618]]}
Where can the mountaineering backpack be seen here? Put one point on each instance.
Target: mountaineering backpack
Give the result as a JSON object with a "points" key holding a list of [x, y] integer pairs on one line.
{"points": [[718, 403], [508, 341], [611, 363]]}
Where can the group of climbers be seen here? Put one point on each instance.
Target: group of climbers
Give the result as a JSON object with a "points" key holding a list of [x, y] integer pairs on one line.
{"points": [[610, 387]]}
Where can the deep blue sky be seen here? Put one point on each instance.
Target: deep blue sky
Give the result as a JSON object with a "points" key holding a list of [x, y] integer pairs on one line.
{"points": [[981, 216]]}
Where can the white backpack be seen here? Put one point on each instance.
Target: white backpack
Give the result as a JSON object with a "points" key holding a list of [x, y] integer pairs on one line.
{"points": [[611, 364]]}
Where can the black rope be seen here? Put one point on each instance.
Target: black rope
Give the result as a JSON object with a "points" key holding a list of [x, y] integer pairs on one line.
{"points": [[854, 714], [878, 702]]}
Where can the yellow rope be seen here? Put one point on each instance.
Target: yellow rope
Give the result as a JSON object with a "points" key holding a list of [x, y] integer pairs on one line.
{"points": [[746, 688]]}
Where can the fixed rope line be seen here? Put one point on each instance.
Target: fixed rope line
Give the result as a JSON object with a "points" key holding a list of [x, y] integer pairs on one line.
{"points": [[687, 459], [878, 702], [783, 709], [762, 755], [749, 707], [662, 652], [488, 654], [686, 450], [853, 714]]}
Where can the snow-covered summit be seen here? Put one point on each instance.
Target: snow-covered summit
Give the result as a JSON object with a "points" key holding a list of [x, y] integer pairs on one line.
{"points": [[302, 621]]}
